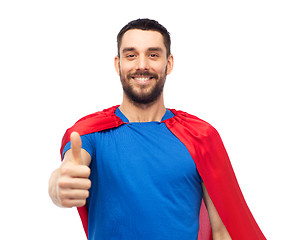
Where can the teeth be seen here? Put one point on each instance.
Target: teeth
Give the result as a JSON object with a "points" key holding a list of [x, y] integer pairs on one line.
{"points": [[142, 79]]}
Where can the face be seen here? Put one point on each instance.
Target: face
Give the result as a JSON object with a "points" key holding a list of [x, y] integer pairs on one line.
{"points": [[143, 65]]}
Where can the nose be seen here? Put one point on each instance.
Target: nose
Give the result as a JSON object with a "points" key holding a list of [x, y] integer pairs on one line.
{"points": [[142, 63]]}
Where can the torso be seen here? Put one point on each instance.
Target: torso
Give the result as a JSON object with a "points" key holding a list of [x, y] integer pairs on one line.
{"points": [[145, 184]]}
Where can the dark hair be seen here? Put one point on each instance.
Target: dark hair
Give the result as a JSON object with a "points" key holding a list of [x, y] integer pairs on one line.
{"points": [[146, 24]]}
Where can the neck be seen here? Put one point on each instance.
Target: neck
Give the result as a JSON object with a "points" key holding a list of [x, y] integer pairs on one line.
{"points": [[143, 112]]}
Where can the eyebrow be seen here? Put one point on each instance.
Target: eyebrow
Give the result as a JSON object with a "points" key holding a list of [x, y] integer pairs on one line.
{"points": [[129, 49], [155, 49]]}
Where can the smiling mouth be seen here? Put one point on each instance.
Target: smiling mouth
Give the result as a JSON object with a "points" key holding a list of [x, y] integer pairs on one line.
{"points": [[143, 79]]}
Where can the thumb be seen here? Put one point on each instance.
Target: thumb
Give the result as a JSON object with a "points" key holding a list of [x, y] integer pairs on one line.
{"points": [[76, 146]]}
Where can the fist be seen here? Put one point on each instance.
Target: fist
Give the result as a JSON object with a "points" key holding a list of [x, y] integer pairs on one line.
{"points": [[73, 176]]}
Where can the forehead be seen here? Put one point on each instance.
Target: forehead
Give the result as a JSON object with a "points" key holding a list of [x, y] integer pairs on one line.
{"points": [[142, 40]]}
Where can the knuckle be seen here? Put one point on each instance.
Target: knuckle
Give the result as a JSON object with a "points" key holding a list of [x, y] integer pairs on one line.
{"points": [[88, 171], [65, 203], [82, 195], [81, 203], [62, 195], [62, 183], [88, 184], [85, 170], [65, 170], [86, 194]]}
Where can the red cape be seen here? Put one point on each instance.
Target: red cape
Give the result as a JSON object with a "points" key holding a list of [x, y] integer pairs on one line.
{"points": [[212, 161]]}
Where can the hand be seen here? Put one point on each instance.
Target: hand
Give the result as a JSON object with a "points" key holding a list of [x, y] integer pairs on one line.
{"points": [[73, 176]]}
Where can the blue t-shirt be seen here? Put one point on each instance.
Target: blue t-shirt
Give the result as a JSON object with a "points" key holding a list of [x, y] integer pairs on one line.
{"points": [[145, 184]]}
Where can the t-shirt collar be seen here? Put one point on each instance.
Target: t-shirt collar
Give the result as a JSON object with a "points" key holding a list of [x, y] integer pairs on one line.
{"points": [[168, 114]]}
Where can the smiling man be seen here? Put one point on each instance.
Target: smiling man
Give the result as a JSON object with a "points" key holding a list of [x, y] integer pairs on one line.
{"points": [[141, 171], [143, 64]]}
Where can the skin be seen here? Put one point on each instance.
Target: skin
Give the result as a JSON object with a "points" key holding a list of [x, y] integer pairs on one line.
{"points": [[141, 52], [137, 54], [69, 184]]}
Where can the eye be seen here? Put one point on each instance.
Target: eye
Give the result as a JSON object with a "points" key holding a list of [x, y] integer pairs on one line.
{"points": [[153, 55], [130, 56]]}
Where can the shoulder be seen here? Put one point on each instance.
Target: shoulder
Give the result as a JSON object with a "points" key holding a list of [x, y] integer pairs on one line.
{"points": [[192, 129], [98, 121], [109, 112], [193, 122], [95, 122]]}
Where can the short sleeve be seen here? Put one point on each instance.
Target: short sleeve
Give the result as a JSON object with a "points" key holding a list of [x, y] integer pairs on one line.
{"points": [[88, 144]]}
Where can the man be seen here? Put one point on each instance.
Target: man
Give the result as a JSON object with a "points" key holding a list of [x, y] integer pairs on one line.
{"points": [[139, 170]]}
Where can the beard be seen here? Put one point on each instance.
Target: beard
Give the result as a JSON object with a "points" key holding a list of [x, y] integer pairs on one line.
{"points": [[145, 94]]}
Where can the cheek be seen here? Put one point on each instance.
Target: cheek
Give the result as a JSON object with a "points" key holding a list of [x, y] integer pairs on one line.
{"points": [[126, 68], [159, 67], [161, 70]]}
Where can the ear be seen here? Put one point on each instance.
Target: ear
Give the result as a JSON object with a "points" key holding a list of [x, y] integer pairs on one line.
{"points": [[170, 64], [117, 64]]}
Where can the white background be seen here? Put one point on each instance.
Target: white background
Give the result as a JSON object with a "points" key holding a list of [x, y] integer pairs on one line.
{"points": [[56, 65]]}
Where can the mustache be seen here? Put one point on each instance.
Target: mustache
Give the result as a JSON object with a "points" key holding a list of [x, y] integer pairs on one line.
{"points": [[142, 74]]}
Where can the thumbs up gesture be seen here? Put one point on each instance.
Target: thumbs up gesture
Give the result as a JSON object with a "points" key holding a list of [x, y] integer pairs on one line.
{"points": [[69, 185], [76, 148]]}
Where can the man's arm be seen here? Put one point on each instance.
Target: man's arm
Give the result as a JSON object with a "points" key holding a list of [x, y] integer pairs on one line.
{"points": [[69, 184], [219, 231]]}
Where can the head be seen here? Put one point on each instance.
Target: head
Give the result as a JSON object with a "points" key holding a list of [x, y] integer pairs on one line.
{"points": [[146, 25], [144, 59]]}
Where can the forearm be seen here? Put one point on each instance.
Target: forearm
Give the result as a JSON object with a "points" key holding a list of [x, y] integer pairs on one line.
{"points": [[219, 231], [224, 235]]}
